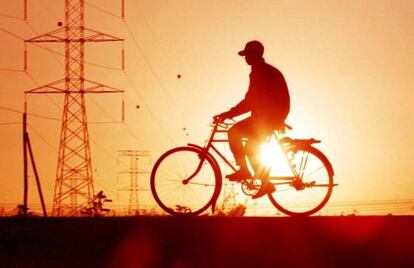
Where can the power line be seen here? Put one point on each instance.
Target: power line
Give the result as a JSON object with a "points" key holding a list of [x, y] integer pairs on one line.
{"points": [[11, 70], [54, 118], [56, 150], [50, 10], [34, 115], [63, 55], [148, 109], [10, 17], [86, 62], [61, 64], [12, 34], [74, 161], [53, 52], [126, 127], [38, 84], [133, 85], [129, 79], [44, 47], [103, 10], [43, 139], [10, 123], [155, 74]]}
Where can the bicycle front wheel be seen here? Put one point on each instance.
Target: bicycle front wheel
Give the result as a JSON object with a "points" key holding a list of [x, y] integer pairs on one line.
{"points": [[185, 180], [307, 193]]}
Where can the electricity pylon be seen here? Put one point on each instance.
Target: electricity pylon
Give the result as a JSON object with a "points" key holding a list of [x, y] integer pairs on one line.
{"points": [[74, 179], [133, 171]]}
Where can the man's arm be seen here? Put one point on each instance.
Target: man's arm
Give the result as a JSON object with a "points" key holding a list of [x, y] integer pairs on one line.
{"points": [[239, 109]]}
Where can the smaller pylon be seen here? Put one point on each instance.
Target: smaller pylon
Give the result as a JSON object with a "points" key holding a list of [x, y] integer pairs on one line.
{"points": [[133, 171]]}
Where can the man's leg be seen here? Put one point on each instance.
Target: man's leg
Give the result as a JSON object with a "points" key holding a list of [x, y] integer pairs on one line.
{"points": [[253, 153], [252, 148], [236, 134]]}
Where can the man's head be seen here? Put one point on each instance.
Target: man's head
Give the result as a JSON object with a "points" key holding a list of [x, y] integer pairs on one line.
{"points": [[253, 52]]}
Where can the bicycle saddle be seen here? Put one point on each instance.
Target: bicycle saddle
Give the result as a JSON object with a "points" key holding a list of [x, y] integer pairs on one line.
{"points": [[299, 142], [285, 127]]}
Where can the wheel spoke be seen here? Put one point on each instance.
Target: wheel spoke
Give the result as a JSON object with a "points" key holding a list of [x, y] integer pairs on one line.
{"points": [[168, 188], [312, 172], [308, 193]]}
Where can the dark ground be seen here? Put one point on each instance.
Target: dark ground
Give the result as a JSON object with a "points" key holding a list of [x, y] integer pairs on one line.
{"points": [[351, 241]]}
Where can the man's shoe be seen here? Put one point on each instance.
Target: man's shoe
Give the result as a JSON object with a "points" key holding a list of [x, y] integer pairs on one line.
{"points": [[265, 189], [239, 175]]}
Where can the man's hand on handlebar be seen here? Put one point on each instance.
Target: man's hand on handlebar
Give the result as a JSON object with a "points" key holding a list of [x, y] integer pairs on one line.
{"points": [[221, 117]]}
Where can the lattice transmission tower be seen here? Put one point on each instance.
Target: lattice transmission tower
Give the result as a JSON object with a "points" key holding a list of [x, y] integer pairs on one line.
{"points": [[134, 171], [74, 179]]}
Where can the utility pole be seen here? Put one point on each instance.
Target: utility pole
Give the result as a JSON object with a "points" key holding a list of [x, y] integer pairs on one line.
{"points": [[27, 147], [133, 171], [74, 179]]}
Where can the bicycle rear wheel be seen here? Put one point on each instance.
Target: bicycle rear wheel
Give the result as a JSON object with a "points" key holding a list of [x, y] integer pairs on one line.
{"points": [[168, 185], [307, 196]]}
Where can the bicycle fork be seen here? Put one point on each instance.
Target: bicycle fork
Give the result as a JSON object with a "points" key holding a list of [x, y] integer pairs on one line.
{"points": [[202, 155]]}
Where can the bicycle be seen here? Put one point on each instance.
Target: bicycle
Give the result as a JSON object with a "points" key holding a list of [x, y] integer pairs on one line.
{"points": [[187, 180]]}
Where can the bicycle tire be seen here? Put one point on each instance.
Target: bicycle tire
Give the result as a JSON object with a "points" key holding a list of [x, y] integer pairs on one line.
{"points": [[171, 198], [293, 195]]}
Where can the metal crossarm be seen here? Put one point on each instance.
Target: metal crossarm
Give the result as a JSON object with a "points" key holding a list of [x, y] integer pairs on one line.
{"points": [[61, 36]]}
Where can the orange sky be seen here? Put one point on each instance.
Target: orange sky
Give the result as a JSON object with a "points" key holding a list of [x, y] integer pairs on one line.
{"points": [[348, 65]]}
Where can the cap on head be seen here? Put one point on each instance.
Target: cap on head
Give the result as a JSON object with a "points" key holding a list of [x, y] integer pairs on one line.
{"points": [[252, 48]]}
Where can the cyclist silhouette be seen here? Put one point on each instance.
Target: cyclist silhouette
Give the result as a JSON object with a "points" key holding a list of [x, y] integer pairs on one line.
{"points": [[268, 100]]}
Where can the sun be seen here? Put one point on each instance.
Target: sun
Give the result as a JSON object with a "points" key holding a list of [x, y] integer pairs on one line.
{"points": [[271, 155]]}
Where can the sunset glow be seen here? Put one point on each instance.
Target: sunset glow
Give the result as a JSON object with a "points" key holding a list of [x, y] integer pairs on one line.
{"points": [[272, 156], [348, 65]]}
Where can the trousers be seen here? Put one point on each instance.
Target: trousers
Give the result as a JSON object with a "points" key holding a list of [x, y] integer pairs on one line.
{"points": [[256, 131]]}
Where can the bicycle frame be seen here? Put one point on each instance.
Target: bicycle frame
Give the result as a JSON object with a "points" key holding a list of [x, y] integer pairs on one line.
{"points": [[210, 146]]}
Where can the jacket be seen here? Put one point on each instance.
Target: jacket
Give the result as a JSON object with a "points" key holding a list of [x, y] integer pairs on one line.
{"points": [[267, 97]]}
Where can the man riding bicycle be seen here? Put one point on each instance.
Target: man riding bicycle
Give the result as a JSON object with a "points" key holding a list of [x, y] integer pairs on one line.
{"points": [[268, 100]]}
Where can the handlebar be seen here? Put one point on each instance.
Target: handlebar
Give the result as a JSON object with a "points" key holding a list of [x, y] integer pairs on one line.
{"points": [[219, 122]]}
